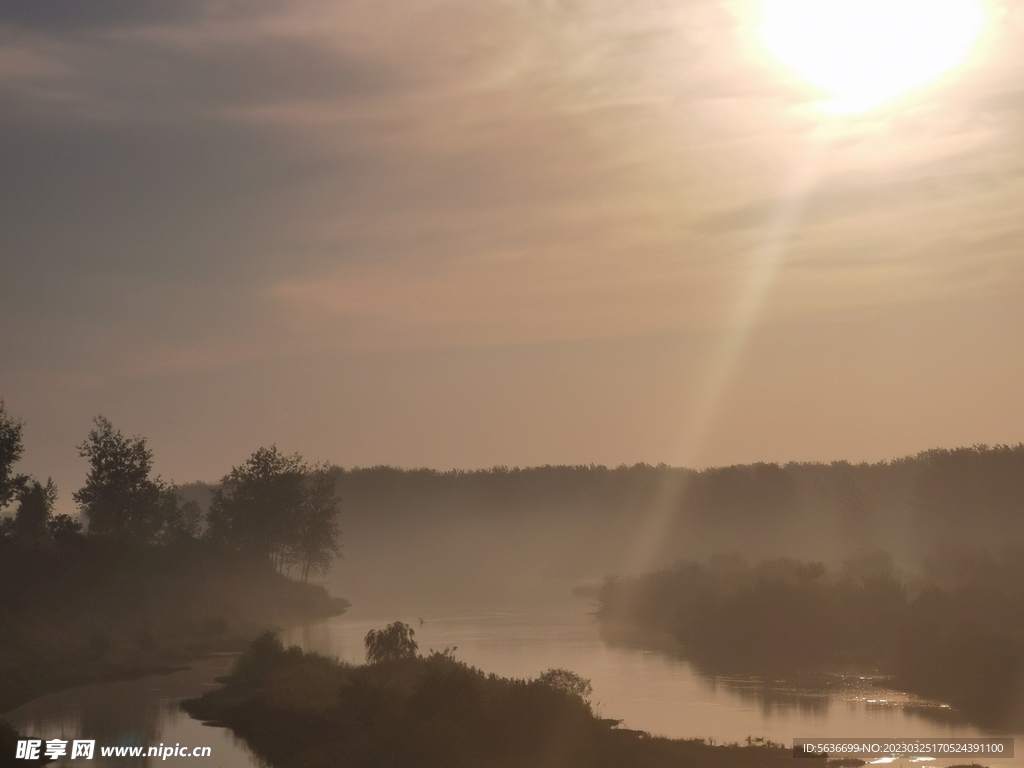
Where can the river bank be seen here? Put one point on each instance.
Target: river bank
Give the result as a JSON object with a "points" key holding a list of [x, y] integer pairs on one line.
{"points": [[648, 691], [118, 614], [304, 710], [48, 673]]}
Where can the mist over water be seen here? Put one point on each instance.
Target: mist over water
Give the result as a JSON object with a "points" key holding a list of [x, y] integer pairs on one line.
{"points": [[646, 689], [506, 237], [422, 539], [519, 571]]}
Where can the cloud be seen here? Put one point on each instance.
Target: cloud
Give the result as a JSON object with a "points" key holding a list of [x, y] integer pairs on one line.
{"points": [[392, 172], [63, 15], [229, 222]]}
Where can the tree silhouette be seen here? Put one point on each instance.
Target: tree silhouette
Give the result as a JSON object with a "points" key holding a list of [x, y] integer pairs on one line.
{"points": [[316, 538], [182, 520], [257, 505], [119, 498], [35, 513], [277, 507], [567, 681], [10, 451], [394, 642], [63, 529]]}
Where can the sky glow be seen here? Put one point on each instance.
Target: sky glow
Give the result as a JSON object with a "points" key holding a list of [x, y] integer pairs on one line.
{"points": [[864, 53]]}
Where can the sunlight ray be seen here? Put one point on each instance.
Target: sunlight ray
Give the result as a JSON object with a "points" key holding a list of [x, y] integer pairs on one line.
{"points": [[765, 261]]}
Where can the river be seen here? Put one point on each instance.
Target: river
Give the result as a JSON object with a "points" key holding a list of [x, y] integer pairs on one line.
{"points": [[646, 690]]}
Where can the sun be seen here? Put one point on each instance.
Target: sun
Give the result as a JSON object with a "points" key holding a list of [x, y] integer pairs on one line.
{"points": [[864, 53]]}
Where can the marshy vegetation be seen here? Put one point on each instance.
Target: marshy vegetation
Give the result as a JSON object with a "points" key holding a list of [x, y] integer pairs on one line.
{"points": [[302, 710]]}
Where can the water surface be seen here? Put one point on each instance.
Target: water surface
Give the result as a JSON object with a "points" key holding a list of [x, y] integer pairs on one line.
{"points": [[650, 690], [142, 712], [646, 690]]}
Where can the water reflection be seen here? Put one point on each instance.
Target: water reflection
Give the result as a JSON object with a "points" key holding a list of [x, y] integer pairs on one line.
{"points": [[775, 698], [656, 691], [647, 690], [134, 713], [837, 700]]}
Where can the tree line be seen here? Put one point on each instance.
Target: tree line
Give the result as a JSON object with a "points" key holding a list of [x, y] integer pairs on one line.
{"points": [[272, 507], [911, 506]]}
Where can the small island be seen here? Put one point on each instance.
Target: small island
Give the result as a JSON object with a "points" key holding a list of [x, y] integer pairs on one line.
{"points": [[403, 709]]}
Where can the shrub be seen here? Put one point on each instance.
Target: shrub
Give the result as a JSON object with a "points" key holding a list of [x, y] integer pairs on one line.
{"points": [[567, 681], [394, 642]]}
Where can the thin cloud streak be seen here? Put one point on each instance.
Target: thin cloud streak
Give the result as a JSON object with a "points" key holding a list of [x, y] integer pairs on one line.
{"points": [[239, 185]]}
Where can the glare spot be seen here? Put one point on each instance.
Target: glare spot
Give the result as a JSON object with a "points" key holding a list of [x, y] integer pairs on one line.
{"points": [[864, 53]]}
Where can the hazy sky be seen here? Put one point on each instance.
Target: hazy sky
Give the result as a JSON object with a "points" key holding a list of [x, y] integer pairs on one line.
{"points": [[460, 233]]}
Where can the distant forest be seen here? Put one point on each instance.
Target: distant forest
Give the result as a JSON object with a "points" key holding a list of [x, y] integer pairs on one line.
{"points": [[512, 526], [910, 507]]}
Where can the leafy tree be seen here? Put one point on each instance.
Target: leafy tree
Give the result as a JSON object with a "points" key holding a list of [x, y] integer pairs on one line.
{"points": [[119, 498], [182, 520], [316, 538], [11, 449], [35, 512], [567, 681], [64, 528], [394, 642], [257, 506], [277, 507]]}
